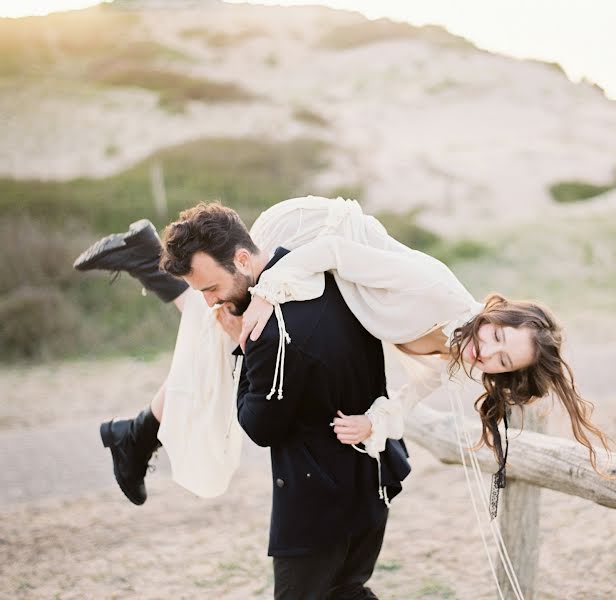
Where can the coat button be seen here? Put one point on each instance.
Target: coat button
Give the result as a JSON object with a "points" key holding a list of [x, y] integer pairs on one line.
{"points": [[280, 482]]}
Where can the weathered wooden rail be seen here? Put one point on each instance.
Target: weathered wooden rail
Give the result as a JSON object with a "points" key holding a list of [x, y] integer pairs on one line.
{"points": [[535, 458], [535, 461]]}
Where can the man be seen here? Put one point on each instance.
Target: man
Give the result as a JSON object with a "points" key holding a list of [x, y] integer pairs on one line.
{"points": [[327, 521]]}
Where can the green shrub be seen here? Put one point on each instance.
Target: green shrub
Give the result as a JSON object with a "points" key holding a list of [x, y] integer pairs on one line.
{"points": [[49, 310], [404, 228], [37, 322], [574, 191], [384, 30], [348, 192], [464, 249], [222, 39], [246, 174], [174, 89], [311, 117]]}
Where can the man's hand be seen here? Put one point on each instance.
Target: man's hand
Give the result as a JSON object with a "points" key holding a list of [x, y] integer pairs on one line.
{"points": [[230, 323], [254, 320], [352, 429]]}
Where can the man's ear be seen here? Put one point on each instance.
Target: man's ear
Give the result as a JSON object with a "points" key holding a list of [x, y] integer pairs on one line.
{"points": [[242, 260]]}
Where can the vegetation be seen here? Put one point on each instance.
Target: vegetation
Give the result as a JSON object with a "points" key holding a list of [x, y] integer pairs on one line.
{"points": [[174, 89], [49, 310], [102, 45], [301, 113], [222, 39], [34, 44], [383, 30], [574, 191], [405, 229]]}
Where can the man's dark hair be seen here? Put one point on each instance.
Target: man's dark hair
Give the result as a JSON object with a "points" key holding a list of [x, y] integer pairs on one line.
{"points": [[208, 227]]}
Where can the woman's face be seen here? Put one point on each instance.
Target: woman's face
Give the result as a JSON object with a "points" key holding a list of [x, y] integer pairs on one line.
{"points": [[501, 349]]}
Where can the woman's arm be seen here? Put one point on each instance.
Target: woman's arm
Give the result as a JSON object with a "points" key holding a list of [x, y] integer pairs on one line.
{"points": [[402, 276], [384, 419]]}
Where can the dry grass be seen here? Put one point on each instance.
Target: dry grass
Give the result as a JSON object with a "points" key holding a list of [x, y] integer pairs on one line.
{"points": [[222, 39], [48, 309], [384, 30], [175, 89], [310, 117], [33, 44]]}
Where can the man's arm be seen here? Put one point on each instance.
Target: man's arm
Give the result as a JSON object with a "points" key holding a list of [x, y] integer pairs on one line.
{"points": [[270, 422]]}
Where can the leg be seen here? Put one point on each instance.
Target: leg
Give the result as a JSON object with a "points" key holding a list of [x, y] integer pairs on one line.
{"points": [[308, 577], [132, 443], [363, 552], [136, 251], [180, 300], [158, 403]]}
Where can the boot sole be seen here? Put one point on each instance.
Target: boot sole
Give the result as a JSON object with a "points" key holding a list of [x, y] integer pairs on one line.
{"points": [[107, 439], [88, 258]]}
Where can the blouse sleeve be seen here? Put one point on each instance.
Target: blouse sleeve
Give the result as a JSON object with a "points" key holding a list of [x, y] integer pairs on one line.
{"points": [[299, 274]]}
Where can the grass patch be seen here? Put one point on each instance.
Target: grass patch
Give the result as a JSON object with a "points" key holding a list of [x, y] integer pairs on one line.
{"points": [[575, 191], [435, 589], [384, 30], [246, 174], [305, 115], [174, 89], [222, 39], [47, 310], [440, 87], [348, 192], [388, 565], [405, 229], [569, 265]]}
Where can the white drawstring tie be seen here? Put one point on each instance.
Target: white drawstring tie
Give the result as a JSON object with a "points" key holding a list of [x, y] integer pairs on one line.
{"points": [[382, 489], [283, 340]]}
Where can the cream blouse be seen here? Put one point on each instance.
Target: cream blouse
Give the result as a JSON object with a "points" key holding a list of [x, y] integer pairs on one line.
{"points": [[398, 294]]}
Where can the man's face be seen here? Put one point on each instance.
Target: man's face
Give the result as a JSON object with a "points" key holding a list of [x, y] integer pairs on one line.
{"points": [[218, 285]]}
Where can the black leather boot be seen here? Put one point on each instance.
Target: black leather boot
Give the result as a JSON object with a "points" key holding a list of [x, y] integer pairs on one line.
{"points": [[132, 443], [137, 251]]}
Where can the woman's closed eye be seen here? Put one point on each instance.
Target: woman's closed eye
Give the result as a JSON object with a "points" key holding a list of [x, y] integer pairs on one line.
{"points": [[498, 339]]}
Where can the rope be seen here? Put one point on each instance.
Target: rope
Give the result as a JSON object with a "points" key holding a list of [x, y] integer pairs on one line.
{"points": [[458, 413], [283, 340], [382, 489]]}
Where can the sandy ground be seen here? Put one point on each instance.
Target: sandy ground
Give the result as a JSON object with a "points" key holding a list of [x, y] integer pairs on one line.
{"points": [[67, 532], [477, 137], [470, 136]]}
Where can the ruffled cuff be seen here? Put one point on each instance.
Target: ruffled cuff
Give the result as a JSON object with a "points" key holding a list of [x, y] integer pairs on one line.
{"points": [[278, 285], [386, 416]]}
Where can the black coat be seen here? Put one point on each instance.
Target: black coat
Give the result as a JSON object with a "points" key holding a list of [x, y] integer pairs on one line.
{"points": [[322, 490]]}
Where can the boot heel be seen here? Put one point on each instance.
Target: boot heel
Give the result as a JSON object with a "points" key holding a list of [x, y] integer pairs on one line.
{"points": [[106, 437]]}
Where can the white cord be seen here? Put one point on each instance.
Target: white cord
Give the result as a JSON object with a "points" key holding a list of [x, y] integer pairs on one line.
{"points": [[283, 339], [495, 530]]}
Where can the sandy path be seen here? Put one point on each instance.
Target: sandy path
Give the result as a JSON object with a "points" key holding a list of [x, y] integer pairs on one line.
{"points": [[67, 532]]}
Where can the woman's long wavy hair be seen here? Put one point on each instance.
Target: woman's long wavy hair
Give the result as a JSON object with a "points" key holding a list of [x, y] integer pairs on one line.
{"points": [[548, 372]]}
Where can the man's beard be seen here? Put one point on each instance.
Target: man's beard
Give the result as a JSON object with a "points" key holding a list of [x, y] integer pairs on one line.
{"points": [[239, 298]]}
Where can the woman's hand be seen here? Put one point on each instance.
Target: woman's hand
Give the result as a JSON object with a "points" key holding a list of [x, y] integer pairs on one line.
{"points": [[352, 429], [229, 322], [255, 319]]}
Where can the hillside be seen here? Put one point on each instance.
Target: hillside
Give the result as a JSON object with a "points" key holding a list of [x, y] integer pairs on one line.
{"points": [[415, 117], [475, 158]]}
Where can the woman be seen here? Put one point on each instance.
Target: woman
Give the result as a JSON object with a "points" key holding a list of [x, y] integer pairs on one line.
{"points": [[406, 298]]}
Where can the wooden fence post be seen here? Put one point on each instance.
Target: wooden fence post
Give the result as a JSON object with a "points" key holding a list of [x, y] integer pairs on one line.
{"points": [[159, 197], [519, 517]]}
